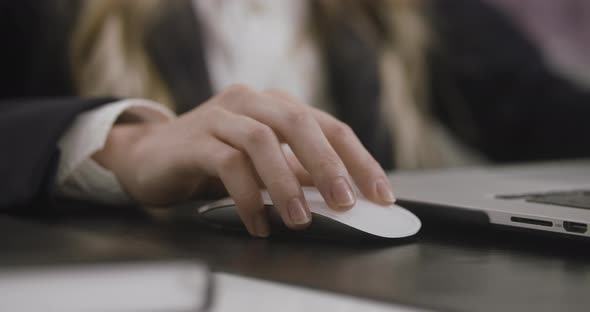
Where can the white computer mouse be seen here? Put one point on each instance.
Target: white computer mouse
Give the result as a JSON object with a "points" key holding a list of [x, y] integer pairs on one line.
{"points": [[365, 217]]}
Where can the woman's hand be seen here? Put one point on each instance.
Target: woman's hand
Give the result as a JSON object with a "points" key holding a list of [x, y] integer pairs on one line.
{"points": [[236, 136]]}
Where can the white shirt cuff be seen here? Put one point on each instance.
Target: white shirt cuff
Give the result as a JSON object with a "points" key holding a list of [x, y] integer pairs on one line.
{"points": [[78, 175]]}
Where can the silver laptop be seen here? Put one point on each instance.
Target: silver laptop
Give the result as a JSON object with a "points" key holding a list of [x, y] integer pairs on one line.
{"points": [[553, 197]]}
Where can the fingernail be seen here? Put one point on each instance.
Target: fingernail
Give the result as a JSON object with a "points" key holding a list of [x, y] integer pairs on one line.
{"points": [[342, 194], [384, 192], [297, 212], [261, 227]]}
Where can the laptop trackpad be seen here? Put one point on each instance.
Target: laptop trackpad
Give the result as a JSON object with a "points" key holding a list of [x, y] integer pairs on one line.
{"points": [[575, 198]]}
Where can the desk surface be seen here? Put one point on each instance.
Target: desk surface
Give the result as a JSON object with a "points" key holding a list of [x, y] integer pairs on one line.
{"points": [[451, 269]]}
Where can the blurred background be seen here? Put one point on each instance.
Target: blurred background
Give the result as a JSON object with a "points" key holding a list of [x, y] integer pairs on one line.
{"points": [[423, 83], [561, 29]]}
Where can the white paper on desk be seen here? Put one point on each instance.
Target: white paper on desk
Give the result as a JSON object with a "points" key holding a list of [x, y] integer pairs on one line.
{"points": [[238, 293], [154, 287]]}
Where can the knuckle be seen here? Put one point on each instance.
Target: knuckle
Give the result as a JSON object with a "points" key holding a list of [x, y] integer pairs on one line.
{"points": [[375, 168], [282, 94], [259, 134], [238, 88], [373, 163], [214, 112], [239, 91], [299, 116], [341, 130], [238, 96], [231, 158]]}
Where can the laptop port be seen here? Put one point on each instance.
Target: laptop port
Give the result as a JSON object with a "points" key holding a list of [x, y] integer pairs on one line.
{"points": [[531, 221], [575, 227]]}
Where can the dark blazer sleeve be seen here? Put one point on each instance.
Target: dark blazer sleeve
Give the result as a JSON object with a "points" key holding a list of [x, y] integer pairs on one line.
{"points": [[494, 90], [36, 104], [29, 132]]}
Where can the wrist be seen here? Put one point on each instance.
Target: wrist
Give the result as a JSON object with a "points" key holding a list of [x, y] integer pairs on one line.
{"points": [[120, 153]]}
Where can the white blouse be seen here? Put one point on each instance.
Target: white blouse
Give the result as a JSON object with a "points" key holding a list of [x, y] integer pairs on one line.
{"points": [[261, 43]]}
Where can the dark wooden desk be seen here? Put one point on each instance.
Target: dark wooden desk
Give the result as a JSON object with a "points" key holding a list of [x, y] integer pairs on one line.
{"points": [[446, 268]]}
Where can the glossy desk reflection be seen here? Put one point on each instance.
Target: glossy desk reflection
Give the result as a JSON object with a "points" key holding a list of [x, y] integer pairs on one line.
{"points": [[444, 267]]}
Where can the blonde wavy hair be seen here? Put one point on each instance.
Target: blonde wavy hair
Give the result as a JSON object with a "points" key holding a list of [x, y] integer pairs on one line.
{"points": [[108, 57], [107, 51]]}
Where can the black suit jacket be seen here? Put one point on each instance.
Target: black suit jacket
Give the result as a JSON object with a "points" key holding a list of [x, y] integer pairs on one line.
{"points": [[488, 85]]}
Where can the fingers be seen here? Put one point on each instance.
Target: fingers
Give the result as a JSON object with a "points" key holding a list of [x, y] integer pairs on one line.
{"points": [[298, 127], [262, 147], [239, 178], [366, 172]]}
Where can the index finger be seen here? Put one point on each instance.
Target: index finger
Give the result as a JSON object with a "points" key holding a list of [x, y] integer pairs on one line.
{"points": [[298, 127]]}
